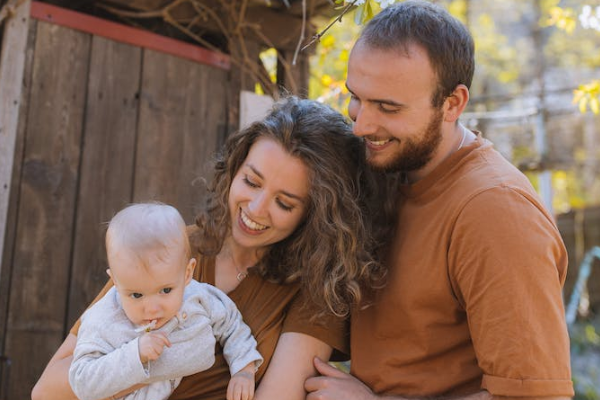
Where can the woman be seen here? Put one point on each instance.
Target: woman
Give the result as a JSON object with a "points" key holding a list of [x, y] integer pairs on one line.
{"points": [[284, 234]]}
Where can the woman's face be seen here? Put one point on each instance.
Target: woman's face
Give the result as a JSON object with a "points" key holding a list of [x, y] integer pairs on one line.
{"points": [[268, 196]]}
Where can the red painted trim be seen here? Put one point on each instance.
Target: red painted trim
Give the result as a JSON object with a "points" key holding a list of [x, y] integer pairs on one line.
{"points": [[126, 34]]}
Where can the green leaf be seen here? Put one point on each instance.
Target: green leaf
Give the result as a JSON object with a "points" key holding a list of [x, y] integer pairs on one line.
{"points": [[359, 14]]}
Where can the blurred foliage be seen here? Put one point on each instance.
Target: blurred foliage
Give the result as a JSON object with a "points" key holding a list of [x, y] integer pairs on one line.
{"points": [[585, 352], [496, 57], [582, 25], [329, 64], [562, 18], [588, 95]]}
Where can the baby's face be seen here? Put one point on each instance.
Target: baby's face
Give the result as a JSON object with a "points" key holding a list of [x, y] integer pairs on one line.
{"points": [[153, 291]]}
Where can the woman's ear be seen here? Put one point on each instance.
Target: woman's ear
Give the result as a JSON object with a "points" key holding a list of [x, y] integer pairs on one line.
{"points": [[189, 270], [455, 104]]}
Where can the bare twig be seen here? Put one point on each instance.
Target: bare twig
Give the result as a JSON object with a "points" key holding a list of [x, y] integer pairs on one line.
{"points": [[319, 35], [229, 18], [302, 33]]}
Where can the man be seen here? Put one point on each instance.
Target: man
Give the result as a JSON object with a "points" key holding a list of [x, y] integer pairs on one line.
{"points": [[472, 305]]}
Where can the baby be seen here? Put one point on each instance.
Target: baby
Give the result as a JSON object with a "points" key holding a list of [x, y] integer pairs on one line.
{"points": [[157, 325]]}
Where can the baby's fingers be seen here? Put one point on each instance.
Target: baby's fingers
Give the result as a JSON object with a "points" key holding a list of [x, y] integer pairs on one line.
{"points": [[160, 338]]}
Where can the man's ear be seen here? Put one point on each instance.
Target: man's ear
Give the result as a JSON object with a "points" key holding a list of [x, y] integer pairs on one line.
{"points": [[455, 104], [189, 270]]}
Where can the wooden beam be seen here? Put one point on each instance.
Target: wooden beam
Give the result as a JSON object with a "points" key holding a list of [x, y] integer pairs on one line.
{"points": [[12, 65], [126, 34]]}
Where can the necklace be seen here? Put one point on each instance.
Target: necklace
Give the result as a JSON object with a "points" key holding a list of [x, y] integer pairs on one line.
{"points": [[241, 274]]}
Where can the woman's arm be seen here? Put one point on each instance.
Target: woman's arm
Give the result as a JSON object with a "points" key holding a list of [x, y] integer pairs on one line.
{"points": [[291, 365], [54, 382]]}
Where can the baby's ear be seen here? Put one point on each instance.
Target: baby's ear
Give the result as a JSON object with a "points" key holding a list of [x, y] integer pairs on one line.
{"points": [[189, 270], [109, 273]]}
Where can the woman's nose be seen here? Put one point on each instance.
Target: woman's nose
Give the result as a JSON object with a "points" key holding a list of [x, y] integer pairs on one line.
{"points": [[258, 204]]}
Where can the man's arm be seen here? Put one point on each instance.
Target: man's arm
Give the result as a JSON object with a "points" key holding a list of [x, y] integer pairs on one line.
{"points": [[334, 384]]}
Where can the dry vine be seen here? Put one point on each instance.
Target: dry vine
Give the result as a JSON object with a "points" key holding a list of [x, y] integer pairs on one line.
{"points": [[230, 19]]}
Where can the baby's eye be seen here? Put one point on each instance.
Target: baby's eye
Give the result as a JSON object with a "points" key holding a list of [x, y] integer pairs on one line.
{"points": [[136, 295], [166, 290]]}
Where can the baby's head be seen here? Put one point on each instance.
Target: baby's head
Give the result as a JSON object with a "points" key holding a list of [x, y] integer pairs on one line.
{"points": [[149, 261]]}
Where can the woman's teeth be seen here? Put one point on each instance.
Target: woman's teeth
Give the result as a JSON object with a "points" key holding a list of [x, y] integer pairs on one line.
{"points": [[251, 224]]}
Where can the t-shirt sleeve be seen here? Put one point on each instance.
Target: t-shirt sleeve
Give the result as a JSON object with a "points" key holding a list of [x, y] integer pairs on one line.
{"points": [[329, 329], [75, 328], [507, 266]]}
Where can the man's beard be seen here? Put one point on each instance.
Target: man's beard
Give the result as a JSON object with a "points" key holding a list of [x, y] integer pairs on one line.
{"points": [[415, 155]]}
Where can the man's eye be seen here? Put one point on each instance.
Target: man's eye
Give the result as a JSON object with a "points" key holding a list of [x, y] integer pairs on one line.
{"points": [[166, 290], [136, 295], [387, 108]]}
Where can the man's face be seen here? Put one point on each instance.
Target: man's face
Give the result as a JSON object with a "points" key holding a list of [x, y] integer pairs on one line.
{"points": [[391, 106]]}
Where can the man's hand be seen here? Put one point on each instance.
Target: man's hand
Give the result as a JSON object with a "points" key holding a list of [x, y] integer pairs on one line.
{"points": [[241, 385], [151, 345], [334, 384]]}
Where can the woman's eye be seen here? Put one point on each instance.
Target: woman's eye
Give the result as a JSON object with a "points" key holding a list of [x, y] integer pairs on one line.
{"points": [[166, 290], [136, 295], [284, 206], [249, 182]]}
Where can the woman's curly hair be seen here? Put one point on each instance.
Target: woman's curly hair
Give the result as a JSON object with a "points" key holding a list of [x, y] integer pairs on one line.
{"points": [[330, 252]]}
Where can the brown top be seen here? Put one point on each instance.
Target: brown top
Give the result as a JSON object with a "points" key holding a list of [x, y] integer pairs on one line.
{"points": [[473, 299], [269, 309]]}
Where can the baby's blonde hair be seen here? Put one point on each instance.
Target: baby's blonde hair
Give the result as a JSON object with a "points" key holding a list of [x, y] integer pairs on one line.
{"points": [[144, 227]]}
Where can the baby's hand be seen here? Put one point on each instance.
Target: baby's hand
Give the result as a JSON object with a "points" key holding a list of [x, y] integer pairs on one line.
{"points": [[151, 345], [241, 385]]}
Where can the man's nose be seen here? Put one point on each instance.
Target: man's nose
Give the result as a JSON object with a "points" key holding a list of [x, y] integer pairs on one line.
{"points": [[364, 123]]}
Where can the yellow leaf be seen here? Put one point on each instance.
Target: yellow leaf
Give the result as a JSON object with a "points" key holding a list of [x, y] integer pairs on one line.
{"points": [[583, 104], [326, 80], [344, 55], [328, 41], [595, 105]]}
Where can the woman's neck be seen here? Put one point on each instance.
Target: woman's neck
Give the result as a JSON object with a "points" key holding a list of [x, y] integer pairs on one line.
{"points": [[241, 257]]}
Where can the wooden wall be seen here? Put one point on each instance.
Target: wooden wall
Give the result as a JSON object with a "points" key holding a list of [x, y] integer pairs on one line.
{"points": [[101, 124]]}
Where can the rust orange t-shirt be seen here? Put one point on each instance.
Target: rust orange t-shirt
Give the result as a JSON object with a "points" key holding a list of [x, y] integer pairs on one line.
{"points": [[269, 309], [473, 299]]}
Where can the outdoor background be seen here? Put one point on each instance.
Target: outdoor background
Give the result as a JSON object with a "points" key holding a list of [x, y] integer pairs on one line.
{"points": [[98, 120]]}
